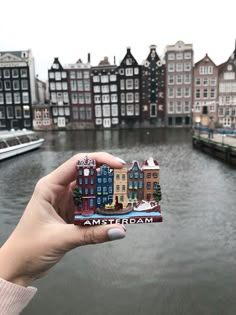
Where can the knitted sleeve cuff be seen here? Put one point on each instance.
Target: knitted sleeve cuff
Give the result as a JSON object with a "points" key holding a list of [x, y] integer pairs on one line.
{"points": [[14, 298]]}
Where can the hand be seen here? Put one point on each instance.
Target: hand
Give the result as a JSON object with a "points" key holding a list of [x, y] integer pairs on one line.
{"points": [[45, 232]]}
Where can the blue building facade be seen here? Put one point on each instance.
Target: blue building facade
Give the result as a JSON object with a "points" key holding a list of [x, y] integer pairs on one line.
{"points": [[104, 186]]}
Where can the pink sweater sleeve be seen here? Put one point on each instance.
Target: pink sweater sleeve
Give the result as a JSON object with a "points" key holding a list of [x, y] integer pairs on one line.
{"points": [[14, 298]]}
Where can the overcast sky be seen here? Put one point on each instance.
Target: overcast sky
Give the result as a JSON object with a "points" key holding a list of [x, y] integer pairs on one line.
{"points": [[69, 29]]}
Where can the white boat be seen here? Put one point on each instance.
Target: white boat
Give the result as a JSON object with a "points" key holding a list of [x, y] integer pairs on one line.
{"points": [[146, 206], [17, 142]]}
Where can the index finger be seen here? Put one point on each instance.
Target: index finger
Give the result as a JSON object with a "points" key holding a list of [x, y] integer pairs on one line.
{"points": [[66, 173]]}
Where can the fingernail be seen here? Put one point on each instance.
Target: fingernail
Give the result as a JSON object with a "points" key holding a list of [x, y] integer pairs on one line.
{"points": [[115, 234], [120, 160]]}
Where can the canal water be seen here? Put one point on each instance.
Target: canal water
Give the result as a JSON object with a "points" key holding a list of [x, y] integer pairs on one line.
{"points": [[185, 265]]}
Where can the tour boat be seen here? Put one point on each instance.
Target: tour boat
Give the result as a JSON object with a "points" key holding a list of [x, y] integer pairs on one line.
{"points": [[16, 142], [146, 206]]}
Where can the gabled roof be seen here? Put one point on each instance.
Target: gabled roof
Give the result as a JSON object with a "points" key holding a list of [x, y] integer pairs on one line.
{"points": [[206, 59], [129, 55]]}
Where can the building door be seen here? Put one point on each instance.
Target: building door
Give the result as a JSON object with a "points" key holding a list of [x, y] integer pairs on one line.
{"points": [[61, 122], [107, 122]]}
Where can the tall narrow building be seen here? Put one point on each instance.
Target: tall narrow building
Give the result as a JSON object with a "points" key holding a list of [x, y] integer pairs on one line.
{"points": [[59, 95], [129, 90], [179, 67], [79, 79], [205, 91], [153, 90], [227, 92], [105, 94], [17, 89]]}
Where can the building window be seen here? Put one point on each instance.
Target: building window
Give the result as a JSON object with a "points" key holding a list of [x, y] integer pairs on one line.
{"points": [[74, 98], [98, 111], [18, 112], [15, 73], [213, 81], [153, 110], [1, 99], [6, 73], [170, 92], [171, 56], [104, 79], [26, 111], [130, 110], [81, 98], [8, 98], [130, 97], [80, 85], [10, 113], [187, 78], [197, 81], [2, 112], [129, 71], [179, 56], [197, 93], [114, 109], [105, 98], [82, 113], [86, 85], [205, 81], [112, 77], [179, 107], [79, 75], [213, 93], [171, 67], [113, 88], [136, 84], [75, 113], [17, 98], [106, 111], [179, 67], [170, 107], [88, 113], [187, 92], [179, 79], [96, 78], [114, 98], [97, 99], [179, 92], [23, 73], [187, 107], [64, 86], [129, 84], [205, 93], [96, 89], [187, 66], [170, 79], [7, 85], [73, 85], [105, 88]]}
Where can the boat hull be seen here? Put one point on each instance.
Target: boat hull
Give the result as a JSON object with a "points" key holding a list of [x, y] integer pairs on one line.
{"points": [[9, 152]]}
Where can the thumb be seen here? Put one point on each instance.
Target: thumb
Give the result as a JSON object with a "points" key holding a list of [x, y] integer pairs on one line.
{"points": [[74, 235]]}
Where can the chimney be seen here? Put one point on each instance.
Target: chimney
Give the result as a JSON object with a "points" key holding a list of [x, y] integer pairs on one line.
{"points": [[88, 57], [114, 60], [128, 49]]}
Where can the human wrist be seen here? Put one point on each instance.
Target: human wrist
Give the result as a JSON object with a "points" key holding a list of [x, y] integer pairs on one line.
{"points": [[10, 269]]}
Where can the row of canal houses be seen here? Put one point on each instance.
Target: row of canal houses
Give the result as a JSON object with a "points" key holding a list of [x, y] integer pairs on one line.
{"points": [[163, 91], [126, 184]]}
